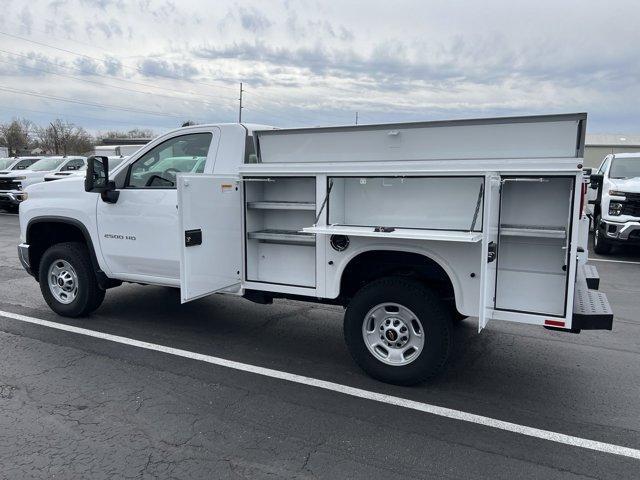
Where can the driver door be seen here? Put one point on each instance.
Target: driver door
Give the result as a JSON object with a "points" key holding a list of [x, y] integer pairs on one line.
{"points": [[138, 233]]}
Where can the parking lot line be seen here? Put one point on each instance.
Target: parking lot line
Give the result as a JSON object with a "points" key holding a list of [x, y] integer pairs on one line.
{"points": [[344, 389], [612, 261]]}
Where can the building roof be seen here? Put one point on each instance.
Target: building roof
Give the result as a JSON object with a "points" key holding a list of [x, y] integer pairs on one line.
{"points": [[612, 140]]}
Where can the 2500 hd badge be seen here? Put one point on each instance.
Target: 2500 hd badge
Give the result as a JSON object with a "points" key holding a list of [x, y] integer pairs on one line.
{"points": [[116, 236]]}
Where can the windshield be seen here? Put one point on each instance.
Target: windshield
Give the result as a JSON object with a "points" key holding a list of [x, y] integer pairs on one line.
{"points": [[46, 164], [5, 162], [628, 167]]}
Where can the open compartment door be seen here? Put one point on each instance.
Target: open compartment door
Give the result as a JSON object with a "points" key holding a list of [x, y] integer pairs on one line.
{"points": [[210, 234], [490, 240]]}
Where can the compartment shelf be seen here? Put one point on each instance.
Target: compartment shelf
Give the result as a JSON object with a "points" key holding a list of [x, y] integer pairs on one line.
{"points": [[406, 233], [283, 236], [538, 231], [265, 205]]}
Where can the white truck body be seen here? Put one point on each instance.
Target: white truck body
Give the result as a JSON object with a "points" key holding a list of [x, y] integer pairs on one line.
{"points": [[487, 213]]}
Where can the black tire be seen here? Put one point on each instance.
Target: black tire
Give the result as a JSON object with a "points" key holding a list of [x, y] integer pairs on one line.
{"points": [[89, 295], [432, 314], [600, 246]]}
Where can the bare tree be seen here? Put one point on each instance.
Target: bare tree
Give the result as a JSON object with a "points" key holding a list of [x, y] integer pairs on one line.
{"points": [[133, 133], [63, 138], [16, 135]]}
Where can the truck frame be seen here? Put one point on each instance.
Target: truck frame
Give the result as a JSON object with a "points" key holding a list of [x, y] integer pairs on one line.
{"points": [[409, 226]]}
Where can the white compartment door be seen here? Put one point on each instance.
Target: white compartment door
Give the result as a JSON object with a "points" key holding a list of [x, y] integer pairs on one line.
{"points": [[210, 234], [490, 238]]}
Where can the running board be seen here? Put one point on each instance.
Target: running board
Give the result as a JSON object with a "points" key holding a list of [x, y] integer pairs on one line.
{"points": [[591, 276], [591, 310]]}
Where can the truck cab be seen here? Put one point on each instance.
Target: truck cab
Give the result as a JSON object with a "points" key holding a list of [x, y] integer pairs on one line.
{"points": [[615, 195]]}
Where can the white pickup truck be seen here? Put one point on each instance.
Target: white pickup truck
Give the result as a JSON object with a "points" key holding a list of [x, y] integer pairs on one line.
{"points": [[13, 182], [410, 226], [615, 196]]}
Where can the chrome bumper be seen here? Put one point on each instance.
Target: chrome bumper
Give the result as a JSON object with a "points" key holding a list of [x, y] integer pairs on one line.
{"points": [[23, 255], [12, 197], [622, 230]]}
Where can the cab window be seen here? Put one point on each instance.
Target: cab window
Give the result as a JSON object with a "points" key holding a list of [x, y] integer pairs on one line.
{"points": [[158, 167], [24, 164]]}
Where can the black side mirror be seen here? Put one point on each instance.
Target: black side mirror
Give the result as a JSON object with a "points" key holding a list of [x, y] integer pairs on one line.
{"points": [[587, 172], [97, 179], [596, 180]]}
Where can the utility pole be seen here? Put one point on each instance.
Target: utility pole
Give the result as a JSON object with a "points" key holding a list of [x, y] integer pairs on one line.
{"points": [[240, 109], [356, 118]]}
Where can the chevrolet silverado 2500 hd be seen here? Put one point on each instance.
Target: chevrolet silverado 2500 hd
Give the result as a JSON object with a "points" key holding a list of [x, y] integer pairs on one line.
{"points": [[13, 183], [615, 196], [407, 225]]}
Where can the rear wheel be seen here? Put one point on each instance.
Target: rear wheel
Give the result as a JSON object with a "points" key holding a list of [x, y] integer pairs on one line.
{"points": [[68, 281], [600, 245], [398, 331]]}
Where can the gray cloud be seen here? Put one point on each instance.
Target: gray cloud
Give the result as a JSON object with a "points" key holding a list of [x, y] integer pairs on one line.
{"points": [[152, 67], [253, 20]]}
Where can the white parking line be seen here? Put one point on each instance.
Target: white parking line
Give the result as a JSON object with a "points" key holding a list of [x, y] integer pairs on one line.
{"points": [[612, 261], [344, 389]]}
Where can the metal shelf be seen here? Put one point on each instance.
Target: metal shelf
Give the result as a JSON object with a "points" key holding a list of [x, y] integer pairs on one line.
{"points": [[264, 205], [406, 233], [283, 236], [538, 231]]}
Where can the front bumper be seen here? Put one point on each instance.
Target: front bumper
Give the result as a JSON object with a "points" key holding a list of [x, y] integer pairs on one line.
{"points": [[12, 197], [23, 255], [620, 231]]}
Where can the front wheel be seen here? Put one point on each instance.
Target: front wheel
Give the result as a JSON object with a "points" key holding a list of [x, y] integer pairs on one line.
{"points": [[67, 280], [600, 245], [398, 331]]}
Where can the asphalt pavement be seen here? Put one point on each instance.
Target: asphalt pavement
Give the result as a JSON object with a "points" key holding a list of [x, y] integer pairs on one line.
{"points": [[75, 406]]}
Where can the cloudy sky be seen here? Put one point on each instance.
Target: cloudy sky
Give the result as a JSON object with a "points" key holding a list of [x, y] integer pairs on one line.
{"points": [[144, 63]]}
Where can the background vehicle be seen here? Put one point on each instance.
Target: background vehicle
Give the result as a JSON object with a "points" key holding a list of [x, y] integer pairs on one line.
{"points": [[113, 163], [615, 196], [13, 183], [407, 225], [16, 163]]}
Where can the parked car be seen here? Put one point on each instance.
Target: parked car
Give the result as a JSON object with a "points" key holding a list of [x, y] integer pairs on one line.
{"points": [[16, 163], [12, 183], [81, 172], [615, 199]]}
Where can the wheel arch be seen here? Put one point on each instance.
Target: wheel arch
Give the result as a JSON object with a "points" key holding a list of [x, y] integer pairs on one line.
{"points": [[387, 260], [44, 231]]}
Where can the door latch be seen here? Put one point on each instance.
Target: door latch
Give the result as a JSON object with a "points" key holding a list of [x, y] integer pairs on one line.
{"points": [[192, 237], [493, 252]]}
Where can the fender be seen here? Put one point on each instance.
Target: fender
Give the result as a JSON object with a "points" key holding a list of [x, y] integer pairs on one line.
{"points": [[104, 281], [429, 254]]}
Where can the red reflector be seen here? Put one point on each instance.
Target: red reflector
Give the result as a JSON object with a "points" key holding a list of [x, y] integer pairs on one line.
{"points": [[554, 323]]}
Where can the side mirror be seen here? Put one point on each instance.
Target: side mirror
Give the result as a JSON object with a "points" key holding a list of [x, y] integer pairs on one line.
{"points": [[97, 179], [587, 172], [596, 180]]}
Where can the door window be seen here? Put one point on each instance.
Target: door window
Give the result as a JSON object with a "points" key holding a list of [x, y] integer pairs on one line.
{"points": [[76, 164], [24, 164], [158, 167]]}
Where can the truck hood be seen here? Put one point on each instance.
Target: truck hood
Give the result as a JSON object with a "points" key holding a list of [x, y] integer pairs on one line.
{"points": [[72, 183], [630, 185]]}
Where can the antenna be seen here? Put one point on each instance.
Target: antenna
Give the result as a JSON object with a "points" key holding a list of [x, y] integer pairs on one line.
{"points": [[356, 118]]}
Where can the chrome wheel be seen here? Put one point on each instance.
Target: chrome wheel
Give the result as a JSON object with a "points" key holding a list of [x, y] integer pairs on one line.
{"points": [[63, 281], [393, 334]]}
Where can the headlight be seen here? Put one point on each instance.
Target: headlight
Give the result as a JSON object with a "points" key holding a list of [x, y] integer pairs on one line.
{"points": [[615, 208], [616, 193]]}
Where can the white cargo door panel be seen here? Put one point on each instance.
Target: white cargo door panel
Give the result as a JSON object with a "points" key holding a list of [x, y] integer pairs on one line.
{"points": [[210, 234], [490, 249]]}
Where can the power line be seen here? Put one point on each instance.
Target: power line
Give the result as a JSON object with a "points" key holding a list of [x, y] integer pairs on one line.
{"points": [[90, 104], [116, 78], [86, 80], [64, 115], [138, 69]]}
